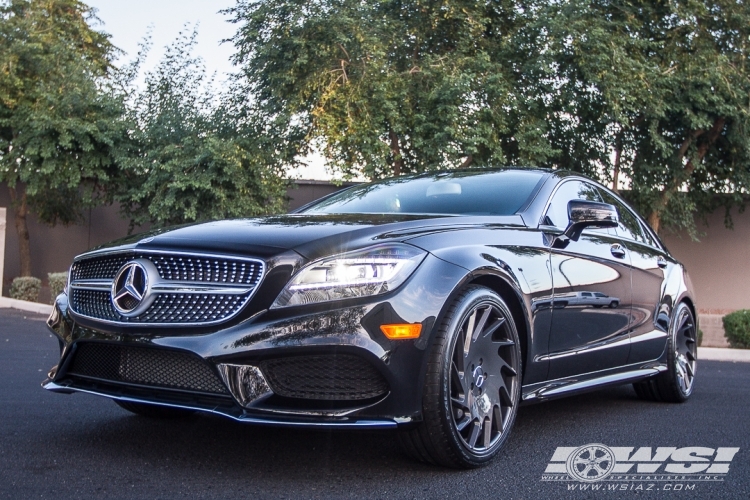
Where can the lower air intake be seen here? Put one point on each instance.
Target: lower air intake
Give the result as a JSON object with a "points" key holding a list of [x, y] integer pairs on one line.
{"points": [[145, 366], [339, 377]]}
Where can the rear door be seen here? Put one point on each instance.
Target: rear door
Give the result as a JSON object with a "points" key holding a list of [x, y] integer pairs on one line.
{"points": [[595, 270], [650, 262]]}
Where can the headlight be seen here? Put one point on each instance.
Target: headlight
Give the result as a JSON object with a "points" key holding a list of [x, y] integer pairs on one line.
{"points": [[363, 273]]}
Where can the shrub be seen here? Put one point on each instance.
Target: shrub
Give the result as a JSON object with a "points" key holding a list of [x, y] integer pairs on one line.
{"points": [[57, 282], [25, 288], [737, 328], [700, 337]]}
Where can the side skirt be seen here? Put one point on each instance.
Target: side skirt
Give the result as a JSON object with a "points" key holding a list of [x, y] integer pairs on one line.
{"points": [[590, 382]]}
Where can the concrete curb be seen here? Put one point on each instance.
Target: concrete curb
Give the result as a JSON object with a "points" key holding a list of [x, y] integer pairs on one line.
{"points": [[720, 354], [34, 307]]}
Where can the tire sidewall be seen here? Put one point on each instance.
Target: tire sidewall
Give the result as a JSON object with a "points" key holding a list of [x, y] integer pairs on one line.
{"points": [[473, 297], [680, 311]]}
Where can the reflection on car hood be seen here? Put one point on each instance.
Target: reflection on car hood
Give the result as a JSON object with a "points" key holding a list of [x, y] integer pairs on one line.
{"points": [[310, 235]]}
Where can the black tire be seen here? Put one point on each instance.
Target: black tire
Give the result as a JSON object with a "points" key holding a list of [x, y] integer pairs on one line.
{"points": [[154, 411], [676, 384], [471, 393], [613, 304]]}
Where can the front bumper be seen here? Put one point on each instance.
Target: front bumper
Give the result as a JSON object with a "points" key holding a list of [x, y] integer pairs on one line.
{"points": [[237, 356]]}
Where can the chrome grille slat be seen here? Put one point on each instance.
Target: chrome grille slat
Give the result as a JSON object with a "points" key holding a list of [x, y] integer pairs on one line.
{"points": [[177, 267], [196, 289]]}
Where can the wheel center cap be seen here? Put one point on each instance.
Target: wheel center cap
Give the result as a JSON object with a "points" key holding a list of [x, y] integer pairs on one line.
{"points": [[478, 376]]}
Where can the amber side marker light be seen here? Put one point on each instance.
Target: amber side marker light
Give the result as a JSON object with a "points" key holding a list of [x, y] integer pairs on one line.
{"points": [[402, 331]]}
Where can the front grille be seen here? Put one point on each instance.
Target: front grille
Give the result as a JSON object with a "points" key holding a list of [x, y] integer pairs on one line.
{"points": [[98, 267], [327, 377], [145, 366], [193, 268], [169, 308], [222, 287]]}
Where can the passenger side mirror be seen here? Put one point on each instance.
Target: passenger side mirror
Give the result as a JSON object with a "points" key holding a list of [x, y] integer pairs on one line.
{"points": [[583, 214]]}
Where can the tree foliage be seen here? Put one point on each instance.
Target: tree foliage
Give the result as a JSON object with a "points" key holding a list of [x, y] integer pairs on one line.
{"points": [[395, 86], [652, 94], [195, 154], [657, 91], [58, 127]]}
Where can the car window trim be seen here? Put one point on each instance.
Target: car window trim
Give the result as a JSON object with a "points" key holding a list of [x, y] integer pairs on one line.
{"points": [[644, 226], [534, 193], [554, 192]]}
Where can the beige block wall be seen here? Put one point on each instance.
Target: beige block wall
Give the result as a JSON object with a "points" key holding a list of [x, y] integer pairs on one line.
{"points": [[713, 330], [719, 267]]}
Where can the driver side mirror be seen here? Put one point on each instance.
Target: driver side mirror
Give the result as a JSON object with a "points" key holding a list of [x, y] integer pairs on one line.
{"points": [[584, 214]]}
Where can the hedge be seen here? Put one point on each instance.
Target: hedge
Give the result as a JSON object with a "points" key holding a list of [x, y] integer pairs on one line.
{"points": [[737, 328], [57, 282], [25, 288]]}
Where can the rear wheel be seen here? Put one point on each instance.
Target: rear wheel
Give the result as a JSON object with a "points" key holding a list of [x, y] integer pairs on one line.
{"points": [[472, 386], [676, 384], [154, 411]]}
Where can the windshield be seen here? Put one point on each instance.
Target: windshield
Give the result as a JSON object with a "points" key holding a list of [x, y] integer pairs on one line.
{"points": [[453, 193]]}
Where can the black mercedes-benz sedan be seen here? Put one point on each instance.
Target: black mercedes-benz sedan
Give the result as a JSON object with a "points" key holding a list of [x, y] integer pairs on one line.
{"points": [[433, 304]]}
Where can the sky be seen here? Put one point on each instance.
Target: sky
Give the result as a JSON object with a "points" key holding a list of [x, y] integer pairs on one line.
{"points": [[128, 21]]}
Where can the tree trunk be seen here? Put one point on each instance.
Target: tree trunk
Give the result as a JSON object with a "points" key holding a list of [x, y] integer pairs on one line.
{"points": [[709, 138], [616, 174], [654, 220], [468, 161], [398, 161], [21, 209]]}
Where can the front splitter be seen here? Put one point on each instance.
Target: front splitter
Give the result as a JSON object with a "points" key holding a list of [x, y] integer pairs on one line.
{"points": [[239, 416]]}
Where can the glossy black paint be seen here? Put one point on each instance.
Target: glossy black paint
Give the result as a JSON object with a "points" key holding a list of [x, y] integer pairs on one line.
{"points": [[568, 338]]}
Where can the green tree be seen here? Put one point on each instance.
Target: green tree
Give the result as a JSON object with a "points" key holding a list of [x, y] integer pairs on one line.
{"points": [[653, 94], [395, 86], [58, 125], [657, 91], [194, 154]]}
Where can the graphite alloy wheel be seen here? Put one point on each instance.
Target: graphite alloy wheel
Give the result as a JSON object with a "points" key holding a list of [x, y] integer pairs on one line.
{"points": [[154, 411], [472, 386], [676, 384]]}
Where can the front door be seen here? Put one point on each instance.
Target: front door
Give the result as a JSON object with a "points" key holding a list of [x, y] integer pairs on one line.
{"points": [[592, 293]]}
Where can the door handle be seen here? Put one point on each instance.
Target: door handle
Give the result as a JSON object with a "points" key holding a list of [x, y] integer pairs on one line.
{"points": [[617, 250], [661, 262]]}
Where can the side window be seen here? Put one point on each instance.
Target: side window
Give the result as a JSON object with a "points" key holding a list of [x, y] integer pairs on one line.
{"points": [[557, 213], [629, 226], [649, 239]]}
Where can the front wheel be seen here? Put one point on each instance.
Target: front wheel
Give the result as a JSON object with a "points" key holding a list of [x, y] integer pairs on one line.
{"points": [[676, 384], [472, 386]]}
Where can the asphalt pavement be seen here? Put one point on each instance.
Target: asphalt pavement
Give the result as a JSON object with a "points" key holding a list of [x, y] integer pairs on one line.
{"points": [[81, 446]]}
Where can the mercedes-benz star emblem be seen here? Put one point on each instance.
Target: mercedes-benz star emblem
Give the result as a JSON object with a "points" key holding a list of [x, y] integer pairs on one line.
{"points": [[131, 289]]}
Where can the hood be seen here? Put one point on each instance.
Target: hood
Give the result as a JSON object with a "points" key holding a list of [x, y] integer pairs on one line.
{"points": [[312, 236]]}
